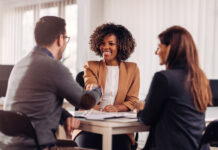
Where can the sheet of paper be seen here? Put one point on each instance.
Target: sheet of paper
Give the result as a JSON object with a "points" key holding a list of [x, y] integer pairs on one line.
{"points": [[123, 120], [211, 114]]}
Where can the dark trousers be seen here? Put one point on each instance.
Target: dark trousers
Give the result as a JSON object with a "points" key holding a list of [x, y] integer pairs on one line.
{"points": [[92, 140], [62, 145]]}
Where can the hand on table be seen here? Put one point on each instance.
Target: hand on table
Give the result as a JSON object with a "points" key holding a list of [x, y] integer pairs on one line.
{"points": [[110, 108], [71, 124], [140, 106]]}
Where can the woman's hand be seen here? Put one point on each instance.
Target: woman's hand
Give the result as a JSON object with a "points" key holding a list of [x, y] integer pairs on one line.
{"points": [[140, 106], [110, 108], [115, 108]]}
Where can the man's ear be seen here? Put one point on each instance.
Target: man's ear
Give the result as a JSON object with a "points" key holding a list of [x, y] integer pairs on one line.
{"points": [[60, 40]]}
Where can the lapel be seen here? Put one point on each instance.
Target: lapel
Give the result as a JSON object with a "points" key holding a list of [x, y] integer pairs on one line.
{"points": [[102, 73], [121, 84]]}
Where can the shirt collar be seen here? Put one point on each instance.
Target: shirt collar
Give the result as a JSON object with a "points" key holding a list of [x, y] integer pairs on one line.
{"points": [[46, 51]]}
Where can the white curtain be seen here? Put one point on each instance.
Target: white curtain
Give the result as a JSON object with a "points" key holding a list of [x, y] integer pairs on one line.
{"points": [[17, 25], [146, 19]]}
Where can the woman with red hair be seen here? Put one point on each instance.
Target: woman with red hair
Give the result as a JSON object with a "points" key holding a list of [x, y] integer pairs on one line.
{"points": [[178, 96]]}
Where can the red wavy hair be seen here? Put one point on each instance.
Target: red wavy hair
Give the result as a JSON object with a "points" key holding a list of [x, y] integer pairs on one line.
{"points": [[184, 52]]}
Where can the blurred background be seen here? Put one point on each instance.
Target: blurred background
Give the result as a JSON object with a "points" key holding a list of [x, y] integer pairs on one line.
{"points": [[144, 18]]}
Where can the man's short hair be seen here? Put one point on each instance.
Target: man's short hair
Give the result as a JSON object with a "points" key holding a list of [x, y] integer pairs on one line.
{"points": [[48, 29]]}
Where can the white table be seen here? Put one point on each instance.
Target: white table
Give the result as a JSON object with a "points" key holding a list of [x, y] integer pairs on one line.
{"points": [[116, 126], [211, 114], [111, 127]]}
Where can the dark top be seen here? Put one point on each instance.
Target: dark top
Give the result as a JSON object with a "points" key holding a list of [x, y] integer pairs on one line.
{"points": [[175, 123], [36, 87]]}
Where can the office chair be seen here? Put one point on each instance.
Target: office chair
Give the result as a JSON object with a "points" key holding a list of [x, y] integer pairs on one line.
{"points": [[210, 135], [79, 79], [5, 71], [214, 90], [17, 124]]}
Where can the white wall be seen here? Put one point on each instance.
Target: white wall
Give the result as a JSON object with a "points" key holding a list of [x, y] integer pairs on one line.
{"points": [[90, 14], [146, 19], [1, 30]]}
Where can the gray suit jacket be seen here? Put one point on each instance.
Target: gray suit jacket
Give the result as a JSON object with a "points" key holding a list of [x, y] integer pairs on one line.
{"points": [[37, 86]]}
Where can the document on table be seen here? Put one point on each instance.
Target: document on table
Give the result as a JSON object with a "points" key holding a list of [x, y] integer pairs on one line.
{"points": [[99, 115], [211, 114]]}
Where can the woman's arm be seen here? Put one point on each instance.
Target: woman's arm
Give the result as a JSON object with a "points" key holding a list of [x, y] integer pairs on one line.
{"points": [[90, 76], [133, 92], [155, 100]]}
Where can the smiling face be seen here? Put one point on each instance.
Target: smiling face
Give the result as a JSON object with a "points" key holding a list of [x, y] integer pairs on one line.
{"points": [[163, 52], [109, 50]]}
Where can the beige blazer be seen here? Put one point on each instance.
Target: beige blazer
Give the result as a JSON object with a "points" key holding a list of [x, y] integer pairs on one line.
{"points": [[129, 81], [128, 89]]}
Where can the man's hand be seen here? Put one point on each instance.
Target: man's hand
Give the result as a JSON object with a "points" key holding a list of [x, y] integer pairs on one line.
{"points": [[110, 108], [71, 124], [92, 86]]}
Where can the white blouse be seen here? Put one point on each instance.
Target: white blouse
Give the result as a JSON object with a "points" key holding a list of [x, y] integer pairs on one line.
{"points": [[111, 86]]}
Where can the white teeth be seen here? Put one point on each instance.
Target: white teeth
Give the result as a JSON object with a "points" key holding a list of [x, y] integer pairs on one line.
{"points": [[107, 53]]}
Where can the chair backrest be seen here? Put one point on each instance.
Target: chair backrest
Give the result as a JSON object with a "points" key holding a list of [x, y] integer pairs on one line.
{"points": [[210, 135], [79, 79], [214, 89], [17, 124], [5, 71]]}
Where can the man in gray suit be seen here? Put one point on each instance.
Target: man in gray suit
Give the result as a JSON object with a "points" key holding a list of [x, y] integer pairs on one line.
{"points": [[39, 82]]}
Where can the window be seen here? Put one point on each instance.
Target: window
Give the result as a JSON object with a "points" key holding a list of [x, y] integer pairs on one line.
{"points": [[52, 11], [71, 27], [21, 37], [27, 28]]}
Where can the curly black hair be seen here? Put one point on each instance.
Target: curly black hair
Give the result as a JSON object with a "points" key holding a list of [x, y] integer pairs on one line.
{"points": [[125, 41]]}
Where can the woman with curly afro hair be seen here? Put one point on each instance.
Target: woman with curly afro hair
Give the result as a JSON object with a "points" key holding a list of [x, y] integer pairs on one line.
{"points": [[118, 79]]}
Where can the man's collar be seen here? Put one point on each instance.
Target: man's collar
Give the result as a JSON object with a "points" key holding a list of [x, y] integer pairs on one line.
{"points": [[46, 51]]}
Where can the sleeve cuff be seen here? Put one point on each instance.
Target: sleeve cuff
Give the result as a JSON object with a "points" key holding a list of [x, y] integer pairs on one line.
{"points": [[128, 105]]}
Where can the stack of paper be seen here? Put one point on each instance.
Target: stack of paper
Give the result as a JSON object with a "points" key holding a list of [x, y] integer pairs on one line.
{"points": [[99, 115]]}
